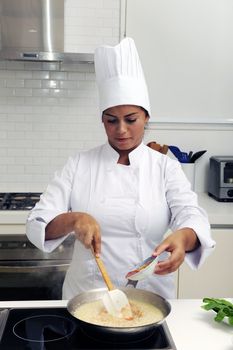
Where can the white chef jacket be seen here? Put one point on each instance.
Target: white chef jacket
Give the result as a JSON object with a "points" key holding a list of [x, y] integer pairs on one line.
{"points": [[135, 206]]}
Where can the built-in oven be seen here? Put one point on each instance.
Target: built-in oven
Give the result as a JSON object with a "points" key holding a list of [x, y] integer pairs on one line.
{"points": [[27, 273]]}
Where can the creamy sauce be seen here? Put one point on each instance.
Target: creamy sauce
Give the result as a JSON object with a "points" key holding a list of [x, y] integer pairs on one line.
{"points": [[95, 313]]}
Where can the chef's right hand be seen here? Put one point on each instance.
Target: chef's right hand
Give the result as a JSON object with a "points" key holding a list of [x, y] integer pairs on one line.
{"points": [[87, 231]]}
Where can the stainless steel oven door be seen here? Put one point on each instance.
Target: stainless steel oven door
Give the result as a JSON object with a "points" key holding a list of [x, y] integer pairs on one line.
{"points": [[32, 280]]}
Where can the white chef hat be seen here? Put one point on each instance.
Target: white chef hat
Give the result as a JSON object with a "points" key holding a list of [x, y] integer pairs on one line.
{"points": [[120, 76]]}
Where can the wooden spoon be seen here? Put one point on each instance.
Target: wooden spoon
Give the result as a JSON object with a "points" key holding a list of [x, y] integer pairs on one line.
{"points": [[115, 301]]}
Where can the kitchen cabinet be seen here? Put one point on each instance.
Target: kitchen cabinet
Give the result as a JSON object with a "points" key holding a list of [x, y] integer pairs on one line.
{"points": [[12, 229], [186, 51], [12, 222], [214, 278]]}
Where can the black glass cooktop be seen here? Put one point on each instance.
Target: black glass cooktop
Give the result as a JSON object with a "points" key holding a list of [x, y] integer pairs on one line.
{"points": [[55, 328]]}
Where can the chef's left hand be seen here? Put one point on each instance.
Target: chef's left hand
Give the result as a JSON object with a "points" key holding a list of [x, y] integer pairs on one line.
{"points": [[177, 243]]}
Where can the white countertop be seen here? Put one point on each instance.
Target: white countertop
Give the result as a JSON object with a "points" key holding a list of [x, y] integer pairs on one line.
{"points": [[191, 327], [219, 213]]}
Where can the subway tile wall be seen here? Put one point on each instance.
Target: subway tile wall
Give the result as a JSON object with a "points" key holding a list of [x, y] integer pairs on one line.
{"points": [[89, 23], [48, 111]]}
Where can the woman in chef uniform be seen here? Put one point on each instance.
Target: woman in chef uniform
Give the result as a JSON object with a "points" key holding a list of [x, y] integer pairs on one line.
{"points": [[122, 197]]}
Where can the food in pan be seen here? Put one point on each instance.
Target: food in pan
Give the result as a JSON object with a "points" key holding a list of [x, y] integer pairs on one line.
{"points": [[95, 313]]}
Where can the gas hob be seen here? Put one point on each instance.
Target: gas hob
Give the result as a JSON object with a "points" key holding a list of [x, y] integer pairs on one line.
{"points": [[55, 328], [18, 200]]}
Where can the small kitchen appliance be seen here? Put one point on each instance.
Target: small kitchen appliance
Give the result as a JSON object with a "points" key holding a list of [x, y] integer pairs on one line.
{"points": [[220, 178]]}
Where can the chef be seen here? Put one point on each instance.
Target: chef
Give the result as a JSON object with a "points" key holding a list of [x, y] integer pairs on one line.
{"points": [[123, 199]]}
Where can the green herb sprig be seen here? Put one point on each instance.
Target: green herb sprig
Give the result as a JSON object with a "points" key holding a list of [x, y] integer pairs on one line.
{"points": [[222, 307]]}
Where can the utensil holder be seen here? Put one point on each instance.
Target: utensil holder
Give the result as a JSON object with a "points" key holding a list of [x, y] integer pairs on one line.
{"points": [[189, 170]]}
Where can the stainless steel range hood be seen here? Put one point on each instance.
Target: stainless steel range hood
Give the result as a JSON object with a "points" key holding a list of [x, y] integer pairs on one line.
{"points": [[33, 30]]}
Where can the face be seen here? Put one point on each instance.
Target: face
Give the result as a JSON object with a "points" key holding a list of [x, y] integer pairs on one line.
{"points": [[124, 126]]}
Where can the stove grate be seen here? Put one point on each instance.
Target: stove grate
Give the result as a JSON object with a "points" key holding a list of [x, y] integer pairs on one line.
{"points": [[18, 200]]}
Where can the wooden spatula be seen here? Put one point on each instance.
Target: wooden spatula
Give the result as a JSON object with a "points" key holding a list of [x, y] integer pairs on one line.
{"points": [[115, 301]]}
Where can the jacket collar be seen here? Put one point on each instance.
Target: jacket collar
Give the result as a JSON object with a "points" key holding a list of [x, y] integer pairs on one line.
{"points": [[135, 156]]}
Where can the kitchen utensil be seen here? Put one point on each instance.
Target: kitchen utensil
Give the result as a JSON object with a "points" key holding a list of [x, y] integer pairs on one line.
{"points": [[154, 145], [143, 270], [182, 157], [119, 334], [190, 155], [196, 156], [175, 150], [157, 147], [164, 149], [115, 301]]}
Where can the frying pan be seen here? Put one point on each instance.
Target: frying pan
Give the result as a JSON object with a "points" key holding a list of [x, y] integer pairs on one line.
{"points": [[119, 334]]}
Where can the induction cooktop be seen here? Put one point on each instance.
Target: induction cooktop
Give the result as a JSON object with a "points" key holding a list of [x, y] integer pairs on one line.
{"points": [[55, 328]]}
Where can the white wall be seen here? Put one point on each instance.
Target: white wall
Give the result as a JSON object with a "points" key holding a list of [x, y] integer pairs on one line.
{"points": [[49, 111]]}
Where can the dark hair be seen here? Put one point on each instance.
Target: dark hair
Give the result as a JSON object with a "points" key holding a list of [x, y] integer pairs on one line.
{"points": [[146, 112]]}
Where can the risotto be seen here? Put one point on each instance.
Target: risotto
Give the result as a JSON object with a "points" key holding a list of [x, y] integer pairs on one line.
{"points": [[143, 313]]}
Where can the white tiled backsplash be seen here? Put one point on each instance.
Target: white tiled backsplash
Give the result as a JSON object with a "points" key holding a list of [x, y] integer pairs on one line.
{"points": [[45, 116], [48, 111], [89, 23]]}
